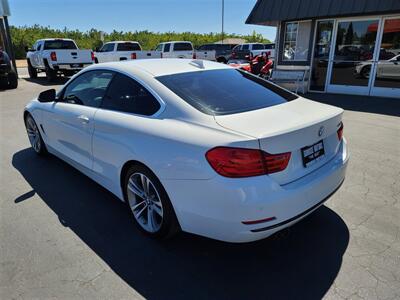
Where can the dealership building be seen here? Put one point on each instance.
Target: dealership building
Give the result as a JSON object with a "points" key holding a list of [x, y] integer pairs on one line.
{"points": [[341, 46]]}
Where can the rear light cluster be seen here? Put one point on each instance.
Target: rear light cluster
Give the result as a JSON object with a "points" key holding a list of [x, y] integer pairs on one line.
{"points": [[133, 55], [92, 55], [340, 131], [241, 162], [53, 56], [194, 55]]}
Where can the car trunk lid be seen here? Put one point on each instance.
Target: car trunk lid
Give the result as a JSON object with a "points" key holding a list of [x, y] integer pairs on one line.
{"points": [[291, 127]]}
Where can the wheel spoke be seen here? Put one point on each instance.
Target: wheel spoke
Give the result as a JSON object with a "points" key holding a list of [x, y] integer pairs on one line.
{"points": [[150, 219], [145, 184], [134, 188], [141, 212], [158, 210], [136, 206]]}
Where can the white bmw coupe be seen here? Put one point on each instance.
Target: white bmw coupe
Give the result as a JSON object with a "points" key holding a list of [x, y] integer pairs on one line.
{"points": [[194, 145]]}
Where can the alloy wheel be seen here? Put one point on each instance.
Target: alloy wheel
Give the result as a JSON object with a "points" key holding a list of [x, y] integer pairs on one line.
{"points": [[145, 202], [33, 134]]}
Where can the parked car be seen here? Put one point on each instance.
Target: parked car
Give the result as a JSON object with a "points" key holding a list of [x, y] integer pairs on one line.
{"points": [[222, 51], [385, 69], [247, 51], [122, 50], [195, 145], [8, 75], [57, 56], [176, 49]]}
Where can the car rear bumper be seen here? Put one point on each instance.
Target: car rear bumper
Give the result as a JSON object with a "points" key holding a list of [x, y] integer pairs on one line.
{"points": [[232, 210], [71, 66]]}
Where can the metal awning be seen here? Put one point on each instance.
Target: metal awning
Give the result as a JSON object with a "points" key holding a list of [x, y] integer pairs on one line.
{"points": [[271, 12]]}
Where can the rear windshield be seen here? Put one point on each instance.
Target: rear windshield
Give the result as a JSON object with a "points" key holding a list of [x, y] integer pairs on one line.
{"points": [[128, 47], [227, 91], [61, 45], [183, 47]]}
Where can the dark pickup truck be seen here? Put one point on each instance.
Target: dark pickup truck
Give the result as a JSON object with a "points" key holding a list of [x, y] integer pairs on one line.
{"points": [[222, 51]]}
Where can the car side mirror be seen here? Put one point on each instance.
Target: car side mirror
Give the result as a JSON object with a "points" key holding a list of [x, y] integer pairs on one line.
{"points": [[47, 96]]}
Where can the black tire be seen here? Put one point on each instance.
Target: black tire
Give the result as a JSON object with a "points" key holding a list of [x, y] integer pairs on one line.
{"points": [[51, 75], [29, 124], [169, 225], [32, 71], [96, 61], [12, 80], [221, 60], [365, 72]]}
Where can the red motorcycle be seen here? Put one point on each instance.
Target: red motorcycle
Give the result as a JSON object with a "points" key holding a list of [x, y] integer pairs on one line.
{"points": [[259, 65]]}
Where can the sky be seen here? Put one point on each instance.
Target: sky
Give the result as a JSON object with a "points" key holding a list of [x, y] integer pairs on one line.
{"points": [[201, 16]]}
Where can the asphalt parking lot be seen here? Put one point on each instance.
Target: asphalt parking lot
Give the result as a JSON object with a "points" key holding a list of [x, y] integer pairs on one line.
{"points": [[63, 236]]}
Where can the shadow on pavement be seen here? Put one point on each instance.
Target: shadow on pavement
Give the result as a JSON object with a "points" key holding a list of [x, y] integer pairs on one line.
{"points": [[300, 263], [43, 81], [377, 105]]}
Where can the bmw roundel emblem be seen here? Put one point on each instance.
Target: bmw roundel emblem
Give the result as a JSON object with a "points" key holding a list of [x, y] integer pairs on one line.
{"points": [[321, 131]]}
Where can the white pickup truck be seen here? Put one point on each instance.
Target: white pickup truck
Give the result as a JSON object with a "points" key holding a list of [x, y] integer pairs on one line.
{"points": [[183, 49], [57, 56], [176, 49], [122, 50]]}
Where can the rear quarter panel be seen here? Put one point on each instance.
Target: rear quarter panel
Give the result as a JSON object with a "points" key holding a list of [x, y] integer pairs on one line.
{"points": [[172, 149]]}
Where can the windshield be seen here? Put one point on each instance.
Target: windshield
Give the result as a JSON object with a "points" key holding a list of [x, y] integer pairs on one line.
{"points": [[59, 44], [226, 91]]}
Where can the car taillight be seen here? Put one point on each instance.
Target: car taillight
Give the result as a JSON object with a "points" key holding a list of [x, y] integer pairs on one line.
{"points": [[241, 162], [194, 55], [340, 131], [233, 54], [92, 54], [133, 55], [53, 56]]}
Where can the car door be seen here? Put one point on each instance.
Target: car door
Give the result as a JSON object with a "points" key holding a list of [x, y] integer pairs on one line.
{"points": [[68, 123], [121, 127], [106, 52], [166, 50], [36, 56], [393, 68]]}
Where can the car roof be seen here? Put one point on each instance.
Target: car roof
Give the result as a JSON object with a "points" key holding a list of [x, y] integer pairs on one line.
{"points": [[176, 42], [121, 42], [56, 39], [164, 66]]}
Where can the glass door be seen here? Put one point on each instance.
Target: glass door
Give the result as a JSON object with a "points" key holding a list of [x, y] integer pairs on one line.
{"points": [[387, 71], [322, 48], [353, 56]]}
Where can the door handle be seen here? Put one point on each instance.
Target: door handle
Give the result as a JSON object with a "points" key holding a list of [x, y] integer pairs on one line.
{"points": [[84, 119]]}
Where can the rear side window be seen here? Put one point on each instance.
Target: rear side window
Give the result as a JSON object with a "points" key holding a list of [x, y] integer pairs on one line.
{"points": [[88, 89], [167, 47], [227, 91], [128, 47], [60, 45], [183, 47], [109, 47], [245, 47], [258, 47], [127, 95]]}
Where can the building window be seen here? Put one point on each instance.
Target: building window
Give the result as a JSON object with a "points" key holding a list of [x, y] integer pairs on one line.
{"points": [[296, 41]]}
